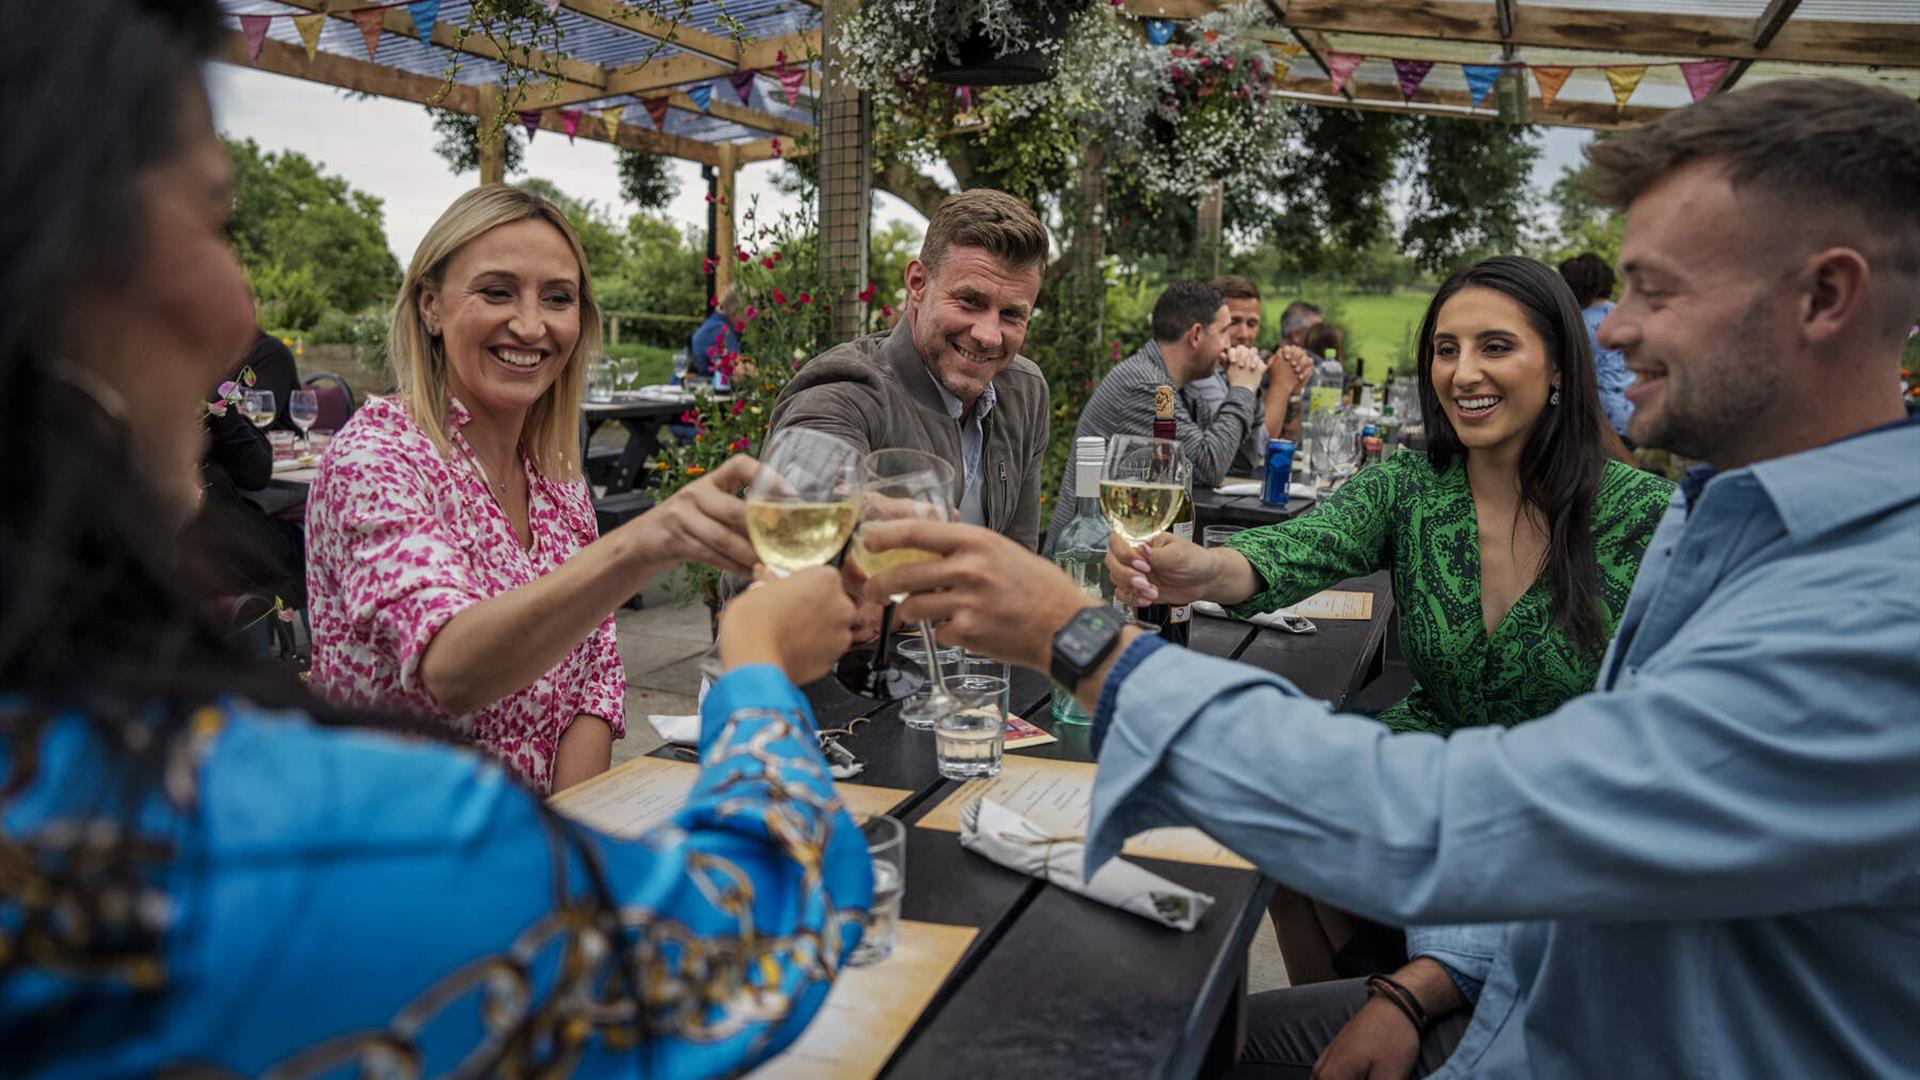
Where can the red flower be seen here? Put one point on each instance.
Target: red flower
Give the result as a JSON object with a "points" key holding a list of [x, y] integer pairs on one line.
{"points": [[776, 146], [739, 407], [867, 294], [741, 444], [805, 298], [766, 261], [740, 327], [753, 312], [691, 416], [706, 267], [741, 255], [779, 297], [886, 312], [776, 256]]}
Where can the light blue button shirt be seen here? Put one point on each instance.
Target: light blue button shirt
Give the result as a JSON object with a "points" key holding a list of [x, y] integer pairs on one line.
{"points": [[1710, 867], [972, 439], [1609, 369]]}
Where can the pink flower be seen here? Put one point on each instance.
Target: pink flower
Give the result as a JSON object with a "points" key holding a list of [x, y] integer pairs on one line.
{"points": [[753, 312], [706, 267], [805, 298], [217, 407], [776, 256], [867, 294], [286, 614], [886, 311], [690, 417], [227, 388], [779, 297], [776, 146], [741, 255], [741, 444], [739, 407]]}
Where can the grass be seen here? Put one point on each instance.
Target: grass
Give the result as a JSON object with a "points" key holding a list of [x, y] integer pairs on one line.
{"points": [[1379, 328], [650, 364]]}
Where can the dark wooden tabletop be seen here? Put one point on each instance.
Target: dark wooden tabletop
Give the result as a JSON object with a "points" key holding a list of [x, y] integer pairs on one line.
{"points": [[1212, 508], [1056, 985]]}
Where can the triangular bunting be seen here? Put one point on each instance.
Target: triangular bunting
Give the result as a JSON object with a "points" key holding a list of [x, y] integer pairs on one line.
{"points": [[309, 27], [743, 85], [1340, 65], [611, 118], [1703, 75], [1288, 49], [1159, 31], [570, 120], [1624, 80], [529, 119], [369, 20], [791, 80], [1409, 74], [255, 29], [657, 108], [1480, 80], [425, 13], [1551, 79], [553, 7], [702, 95]]}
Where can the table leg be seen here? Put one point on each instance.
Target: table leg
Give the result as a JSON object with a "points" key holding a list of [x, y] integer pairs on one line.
{"points": [[643, 445]]}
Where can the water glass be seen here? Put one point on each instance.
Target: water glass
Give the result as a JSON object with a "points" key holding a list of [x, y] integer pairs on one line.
{"points": [[915, 711], [303, 408], [975, 666], [887, 847], [1218, 535], [969, 738], [682, 361], [282, 444], [599, 381]]}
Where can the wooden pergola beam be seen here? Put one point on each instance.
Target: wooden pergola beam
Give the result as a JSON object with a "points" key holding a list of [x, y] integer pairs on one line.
{"points": [[740, 114], [447, 36], [1764, 29], [329, 69], [746, 153], [1594, 29]]}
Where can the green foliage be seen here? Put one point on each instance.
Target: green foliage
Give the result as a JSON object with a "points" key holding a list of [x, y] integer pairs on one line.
{"points": [[1470, 195], [646, 180], [1581, 225], [458, 142], [646, 268]]}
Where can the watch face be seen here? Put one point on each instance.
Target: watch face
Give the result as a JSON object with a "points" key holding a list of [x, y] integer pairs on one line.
{"points": [[1090, 628]]}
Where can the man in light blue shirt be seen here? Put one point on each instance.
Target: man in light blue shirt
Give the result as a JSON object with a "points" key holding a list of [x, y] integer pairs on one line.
{"points": [[1711, 865]]}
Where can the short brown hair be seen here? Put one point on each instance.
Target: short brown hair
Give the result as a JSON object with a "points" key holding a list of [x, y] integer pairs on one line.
{"points": [[1235, 287], [1812, 144], [994, 221]]}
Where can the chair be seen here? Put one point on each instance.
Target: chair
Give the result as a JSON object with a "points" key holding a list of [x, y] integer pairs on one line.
{"points": [[336, 400], [612, 511]]}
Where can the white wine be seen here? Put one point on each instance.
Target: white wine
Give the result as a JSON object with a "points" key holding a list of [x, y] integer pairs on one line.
{"points": [[1139, 511], [875, 563], [791, 536], [259, 419]]}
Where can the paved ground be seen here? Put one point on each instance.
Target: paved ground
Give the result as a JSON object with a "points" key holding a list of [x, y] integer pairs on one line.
{"points": [[662, 645]]}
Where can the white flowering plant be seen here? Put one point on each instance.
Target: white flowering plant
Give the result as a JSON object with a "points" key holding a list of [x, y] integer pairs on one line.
{"points": [[1216, 116]]}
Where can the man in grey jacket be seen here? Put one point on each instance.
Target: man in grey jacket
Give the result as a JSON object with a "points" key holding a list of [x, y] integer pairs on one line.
{"points": [[949, 378]]}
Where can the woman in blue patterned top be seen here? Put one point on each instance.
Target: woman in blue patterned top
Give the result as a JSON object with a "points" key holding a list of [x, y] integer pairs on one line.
{"points": [[193, 874]]}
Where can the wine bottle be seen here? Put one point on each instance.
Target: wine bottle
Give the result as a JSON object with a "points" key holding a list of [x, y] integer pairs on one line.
{"points": [[1176, 624], [1081, 551]]}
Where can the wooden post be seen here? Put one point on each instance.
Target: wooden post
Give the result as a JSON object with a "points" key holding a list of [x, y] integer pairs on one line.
{"points": [[1206, 245], [846, 176], [493, 142], [723, 242]]}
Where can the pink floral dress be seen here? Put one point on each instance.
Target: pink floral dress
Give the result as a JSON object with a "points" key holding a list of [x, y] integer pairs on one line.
{"points": [[399, 541]]}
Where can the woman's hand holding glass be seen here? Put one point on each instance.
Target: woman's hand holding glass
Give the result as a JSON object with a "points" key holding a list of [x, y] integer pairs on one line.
{"points": [[1172, 570], [706, 522]]}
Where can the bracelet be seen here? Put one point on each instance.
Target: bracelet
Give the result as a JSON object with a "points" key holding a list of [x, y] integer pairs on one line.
{"points": [[1401, 998]]}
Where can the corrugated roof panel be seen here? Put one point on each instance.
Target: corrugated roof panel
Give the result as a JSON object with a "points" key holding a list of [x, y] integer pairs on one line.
{"points": [[1727, 9]]}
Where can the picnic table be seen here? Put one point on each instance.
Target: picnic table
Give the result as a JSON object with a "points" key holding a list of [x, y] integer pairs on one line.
{"points": [[642, 413], [1053, 984], [1210, 507]]}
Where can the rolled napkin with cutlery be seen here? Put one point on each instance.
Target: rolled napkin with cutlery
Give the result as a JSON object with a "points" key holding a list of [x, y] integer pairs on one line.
{"points": [[1252, 487], [990, 829], [1278, 620], [678, 730]]}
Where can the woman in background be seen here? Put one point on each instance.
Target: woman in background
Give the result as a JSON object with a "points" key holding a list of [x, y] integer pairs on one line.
{"points": [[1591, 280], [194, 877]]}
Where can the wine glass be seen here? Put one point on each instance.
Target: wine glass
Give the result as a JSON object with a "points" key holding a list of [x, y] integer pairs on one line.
{"points": [[1343, 445], [1141, 485], [682, 360], [258, 406], [800, 507], [303, 408], [901, 485]]}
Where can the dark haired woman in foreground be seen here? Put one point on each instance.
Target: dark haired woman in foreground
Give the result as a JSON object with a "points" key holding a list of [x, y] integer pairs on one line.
{"points": [[1513, 544], [194, 875]]}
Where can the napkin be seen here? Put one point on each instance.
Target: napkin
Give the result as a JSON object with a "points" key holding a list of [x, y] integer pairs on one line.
{"points": [[1252, 487], [678, 730], [990, 829], [1278, 620]]}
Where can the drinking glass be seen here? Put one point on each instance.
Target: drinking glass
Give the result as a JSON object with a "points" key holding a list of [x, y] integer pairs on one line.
{"points": [[1343, 445], [914, 710], [303, 408], [599, 381], [975, 667], [258, 406], [800, 506], [682, 361], [1218, 535], [902, 485], [1141, 485], [887, 847], [970, 737]]}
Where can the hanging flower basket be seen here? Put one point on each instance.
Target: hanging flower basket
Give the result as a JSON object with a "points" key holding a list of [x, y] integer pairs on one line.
{"points": [[978, 61]]}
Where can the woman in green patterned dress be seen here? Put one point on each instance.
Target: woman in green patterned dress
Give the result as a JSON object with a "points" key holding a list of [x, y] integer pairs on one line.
{"points": [[1513, 542]]}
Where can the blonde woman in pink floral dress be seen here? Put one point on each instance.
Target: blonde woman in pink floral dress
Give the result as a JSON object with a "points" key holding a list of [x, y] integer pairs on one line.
{"points": [[454, 569]]}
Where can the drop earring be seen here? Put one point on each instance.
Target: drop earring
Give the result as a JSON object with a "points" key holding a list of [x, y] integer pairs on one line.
{"points": [[1554, 398]]}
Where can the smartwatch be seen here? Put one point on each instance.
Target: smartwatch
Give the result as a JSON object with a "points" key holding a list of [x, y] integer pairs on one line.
{"points": [[1082, 644]]}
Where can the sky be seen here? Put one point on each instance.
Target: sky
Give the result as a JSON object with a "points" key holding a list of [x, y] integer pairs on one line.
{"points": [[385, 148]]}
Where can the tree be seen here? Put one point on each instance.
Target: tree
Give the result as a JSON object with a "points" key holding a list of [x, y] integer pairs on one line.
{"points": [[1470, 196], [646, 180], [1582, 224], [310, 242], [459, 142]]}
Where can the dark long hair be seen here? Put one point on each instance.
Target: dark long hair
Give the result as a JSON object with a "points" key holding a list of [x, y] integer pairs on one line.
{"points": [[1568, 447], [92, 619]]}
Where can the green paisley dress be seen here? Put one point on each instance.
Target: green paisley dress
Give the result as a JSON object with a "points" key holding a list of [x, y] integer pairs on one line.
{"points": [[1421, 523]]}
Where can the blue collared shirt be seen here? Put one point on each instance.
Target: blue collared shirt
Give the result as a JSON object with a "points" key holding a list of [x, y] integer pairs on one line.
{"points": [[1709, 867], [973, 438], [1609, 369]]}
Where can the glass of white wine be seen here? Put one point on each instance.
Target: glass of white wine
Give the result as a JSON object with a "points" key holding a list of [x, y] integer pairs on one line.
{"points": [[800, 507], [1141, 485], [903, 485], [258, 406]]}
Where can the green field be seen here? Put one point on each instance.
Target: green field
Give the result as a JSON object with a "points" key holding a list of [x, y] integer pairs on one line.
{"points": [[1379, 328]]}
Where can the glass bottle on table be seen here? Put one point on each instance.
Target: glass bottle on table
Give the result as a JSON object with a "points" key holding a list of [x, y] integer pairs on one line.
{"points": [[1081, 551], [1178, 627]]}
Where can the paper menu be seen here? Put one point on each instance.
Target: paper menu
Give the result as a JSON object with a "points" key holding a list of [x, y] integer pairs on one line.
{"points": [[1336, 604], [1057, 796], [1020, 733], [636, 796], [871, 1009]]}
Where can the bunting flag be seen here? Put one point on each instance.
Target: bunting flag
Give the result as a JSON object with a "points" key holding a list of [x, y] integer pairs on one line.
{"points": [[570, 120], [309, 27], [1703, 75], [1288, 49], [1159, 31], [702, 95], [1340, 66], [1480, 80], [530, 119], [370, 20], [743, 85], [1409, 74], [255, 29], [657, 108], [1551, 79], [791, 80], [610, 118], [1624, 80], [425, 13], [553, 7]]}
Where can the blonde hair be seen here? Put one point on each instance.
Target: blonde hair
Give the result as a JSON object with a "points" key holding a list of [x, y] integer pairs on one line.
{"points": [[551, 435]]}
